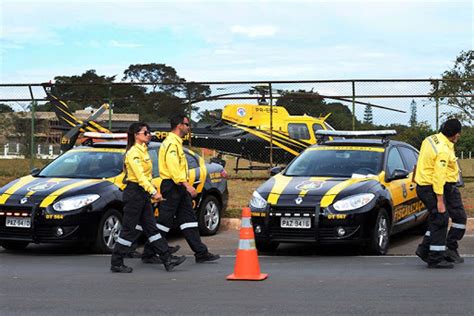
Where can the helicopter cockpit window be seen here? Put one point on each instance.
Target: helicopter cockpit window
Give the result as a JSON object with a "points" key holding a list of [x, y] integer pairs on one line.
{"points": [[298, 131], [317, 127]]}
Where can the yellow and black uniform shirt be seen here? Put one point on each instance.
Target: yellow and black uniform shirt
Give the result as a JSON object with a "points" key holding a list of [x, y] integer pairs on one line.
{"points": [[437, 163], [138, 165], [172, 162]]}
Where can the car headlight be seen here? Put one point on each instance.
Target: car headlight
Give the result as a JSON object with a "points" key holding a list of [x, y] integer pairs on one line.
{"points": [[257, 200], [74, 202], [353, 202]]}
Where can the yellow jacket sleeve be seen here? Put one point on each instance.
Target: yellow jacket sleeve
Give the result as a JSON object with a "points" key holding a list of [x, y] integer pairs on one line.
{"points": [[172, 158], [135, 163], [440, 172]]}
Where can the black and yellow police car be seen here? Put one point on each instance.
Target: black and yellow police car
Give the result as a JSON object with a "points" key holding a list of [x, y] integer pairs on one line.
{"points": [[345, 190], [78, 198]]}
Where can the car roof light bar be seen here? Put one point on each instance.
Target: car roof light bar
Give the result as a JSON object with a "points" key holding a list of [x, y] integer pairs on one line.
{"points": [[380, 133], [98, 135]]}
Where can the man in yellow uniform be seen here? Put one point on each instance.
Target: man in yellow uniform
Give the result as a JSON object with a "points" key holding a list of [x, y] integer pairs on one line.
{"points": [[177, 192], [437, 165]]}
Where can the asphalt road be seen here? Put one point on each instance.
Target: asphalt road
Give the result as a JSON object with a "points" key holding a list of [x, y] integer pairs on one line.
{"points": [[58, 280]]}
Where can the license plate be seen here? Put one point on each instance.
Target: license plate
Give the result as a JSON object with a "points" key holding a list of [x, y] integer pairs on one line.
{"points": [[295, 222], [23, 222]]}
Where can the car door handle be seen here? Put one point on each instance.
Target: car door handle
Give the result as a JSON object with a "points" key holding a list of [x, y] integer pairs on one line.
{"points": [[412, 186]]}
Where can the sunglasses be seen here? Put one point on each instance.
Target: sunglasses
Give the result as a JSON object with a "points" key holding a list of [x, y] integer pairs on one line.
{"points": [[146, 133]]}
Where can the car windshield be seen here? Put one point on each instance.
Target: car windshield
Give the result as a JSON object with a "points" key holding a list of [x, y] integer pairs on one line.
{"points": [[336, 162], [85, 164]]}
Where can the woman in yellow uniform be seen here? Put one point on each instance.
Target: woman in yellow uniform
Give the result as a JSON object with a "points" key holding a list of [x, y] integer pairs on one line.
{"points": [[137, 197]]}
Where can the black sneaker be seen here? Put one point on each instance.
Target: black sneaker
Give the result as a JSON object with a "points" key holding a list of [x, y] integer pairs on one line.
{"points": [[172, 262], [453, 256], [207, 257], [443, 264], [121, 269], [422, 253], [157, 259]]}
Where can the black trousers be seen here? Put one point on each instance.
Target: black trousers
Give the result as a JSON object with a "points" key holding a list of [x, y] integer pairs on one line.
{"points": [[457, 214], [435, 237], [178, 204], [138, 211]]}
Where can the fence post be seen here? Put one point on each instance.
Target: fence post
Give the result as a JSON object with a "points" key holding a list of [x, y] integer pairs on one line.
{"points": [[5, 149], [50, 151], [110, 108], [18, 148], [437, 104], [32, 142], [353, 105]]}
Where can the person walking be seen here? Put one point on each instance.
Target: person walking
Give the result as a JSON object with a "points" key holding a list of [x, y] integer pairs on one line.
{"points": [[177, 192], [138, 209], [436, 174]]}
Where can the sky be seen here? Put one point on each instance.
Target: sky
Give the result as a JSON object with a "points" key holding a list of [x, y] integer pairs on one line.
{"points": [[234, 40]]}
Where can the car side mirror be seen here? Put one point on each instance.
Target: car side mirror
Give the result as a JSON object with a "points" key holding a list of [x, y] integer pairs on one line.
{"points": [[35, 171], [275, 171], [218, 160], [398, 174]]}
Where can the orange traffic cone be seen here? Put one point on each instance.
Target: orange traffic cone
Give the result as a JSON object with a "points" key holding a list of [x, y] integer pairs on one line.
{"points": [[246, 263]]}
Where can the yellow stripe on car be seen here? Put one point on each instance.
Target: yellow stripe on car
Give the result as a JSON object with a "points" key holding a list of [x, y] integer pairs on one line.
{"points": [[21, 183], [202, 175], [330, 195], [280, 184], [53, 196]]}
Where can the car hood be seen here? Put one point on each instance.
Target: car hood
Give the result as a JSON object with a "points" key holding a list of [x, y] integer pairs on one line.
{"points": [[282, 189], [31, 190]]}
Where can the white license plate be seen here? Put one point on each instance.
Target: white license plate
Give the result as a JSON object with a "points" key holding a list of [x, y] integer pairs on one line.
{"points": [[23, 222], [295, 222]]}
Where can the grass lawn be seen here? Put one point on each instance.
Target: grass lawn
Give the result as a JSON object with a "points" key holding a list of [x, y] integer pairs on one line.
{"points": [[241, 184]]}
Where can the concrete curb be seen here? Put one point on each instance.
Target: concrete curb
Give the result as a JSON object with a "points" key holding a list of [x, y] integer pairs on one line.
{"points": [[234, 223]]}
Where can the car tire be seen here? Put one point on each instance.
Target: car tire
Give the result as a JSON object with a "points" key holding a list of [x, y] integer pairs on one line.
{"points": [[14, 245], [266, 246], [209, 217], [108, 231], [380, 237]]}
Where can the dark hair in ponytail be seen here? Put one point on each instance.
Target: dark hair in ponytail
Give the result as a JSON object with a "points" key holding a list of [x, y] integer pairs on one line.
{"points": [[132, 130]]}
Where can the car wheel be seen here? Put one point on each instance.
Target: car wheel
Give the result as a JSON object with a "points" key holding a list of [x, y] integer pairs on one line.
{"points": [[108, 231], [14, 244], [209, 217], [381, 234], [266, 246]]}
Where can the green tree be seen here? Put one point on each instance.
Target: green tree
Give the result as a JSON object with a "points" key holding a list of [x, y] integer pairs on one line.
{"points": [[413, 119], [368, 116], [311, 103], [158, 75], [458, 81], [466, 142], [209, 116], [5, 108]]}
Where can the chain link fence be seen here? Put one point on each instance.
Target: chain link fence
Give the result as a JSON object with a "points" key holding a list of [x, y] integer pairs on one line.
{"points": [[265, 122]]}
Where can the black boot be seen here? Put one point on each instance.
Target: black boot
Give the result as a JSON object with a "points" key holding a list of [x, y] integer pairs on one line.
{"points": [[170, 262], [157, 260], [121, 269], [206, 257], [453, 256], [443, 264], [422, 253]]}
